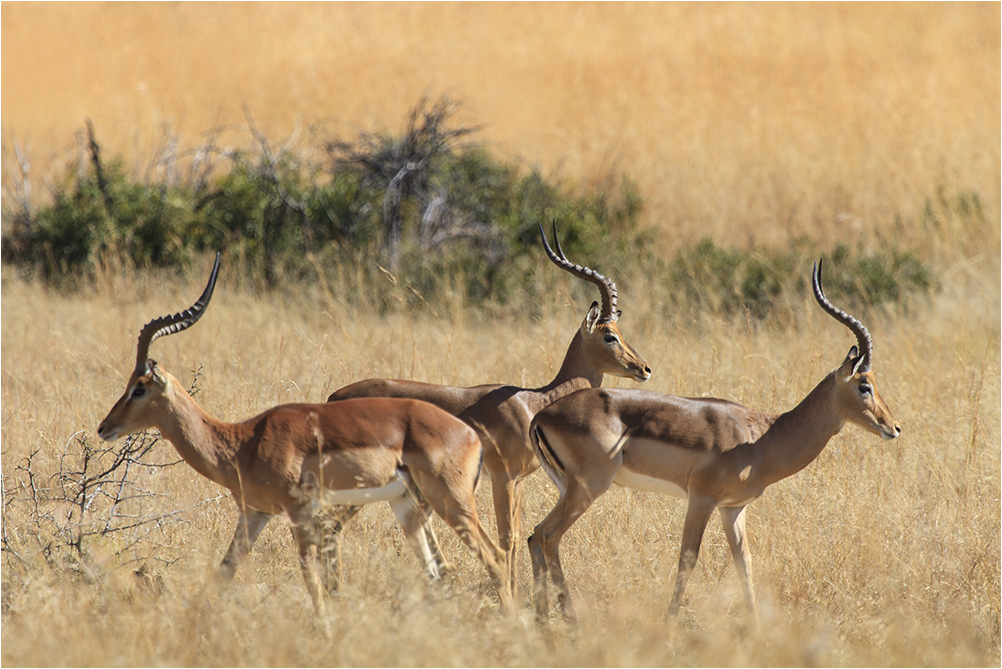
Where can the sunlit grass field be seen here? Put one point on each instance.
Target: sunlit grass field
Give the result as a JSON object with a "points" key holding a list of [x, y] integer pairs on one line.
{"points": [[753, 124], [879, 553]]}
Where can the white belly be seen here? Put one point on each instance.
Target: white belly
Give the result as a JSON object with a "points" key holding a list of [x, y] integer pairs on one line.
{"points": [[744, 500], [631, 479], [361, 496]]}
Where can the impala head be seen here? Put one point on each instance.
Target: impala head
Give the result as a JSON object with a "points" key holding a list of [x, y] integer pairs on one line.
{"points": [[148, 387], [605, 344], [857, 397]]}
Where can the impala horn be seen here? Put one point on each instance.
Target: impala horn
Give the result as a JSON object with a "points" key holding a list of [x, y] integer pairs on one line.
{"points": [[857, 328], [166, 325], [606, 286]]}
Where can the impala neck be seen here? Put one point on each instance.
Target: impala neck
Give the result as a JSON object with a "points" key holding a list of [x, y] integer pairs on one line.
{"points": [[207, 444], [797, 437], [576, 371]]}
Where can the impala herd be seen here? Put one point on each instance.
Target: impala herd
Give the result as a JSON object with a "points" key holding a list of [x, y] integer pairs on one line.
{"points": [[420, 447]]}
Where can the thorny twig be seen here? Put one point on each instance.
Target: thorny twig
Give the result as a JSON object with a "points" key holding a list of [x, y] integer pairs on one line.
{"points": [[94, 493]]}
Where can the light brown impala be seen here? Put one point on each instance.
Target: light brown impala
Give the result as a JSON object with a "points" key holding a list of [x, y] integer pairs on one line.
{"points": [[501, 414], [716, 454], [294, 458]]}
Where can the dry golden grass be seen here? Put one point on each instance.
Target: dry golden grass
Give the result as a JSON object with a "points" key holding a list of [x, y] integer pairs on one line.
{"points": [[880, 553], [750, 123]]}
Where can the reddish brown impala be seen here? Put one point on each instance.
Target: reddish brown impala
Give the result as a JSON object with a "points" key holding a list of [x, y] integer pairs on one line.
{"points": [[714, 453], [501, 414], [294, 458]]}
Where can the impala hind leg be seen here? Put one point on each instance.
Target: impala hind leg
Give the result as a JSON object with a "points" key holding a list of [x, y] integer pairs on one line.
{"points": [[544, 547], [411, 511], [539, 574], [733, 520], [459, 511], [431, 538], [467, 525], [696, 517], [249, 527]]}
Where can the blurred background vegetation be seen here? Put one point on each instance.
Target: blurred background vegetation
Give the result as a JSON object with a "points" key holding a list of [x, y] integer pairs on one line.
{"points": [[426, 208]]}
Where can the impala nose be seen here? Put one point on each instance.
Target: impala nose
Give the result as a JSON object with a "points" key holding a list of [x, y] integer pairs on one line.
{"points": [[892, 433], [104, 433]]}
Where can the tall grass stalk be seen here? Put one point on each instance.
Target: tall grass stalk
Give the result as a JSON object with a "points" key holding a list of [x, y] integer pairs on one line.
{"points": [[879, 553]]}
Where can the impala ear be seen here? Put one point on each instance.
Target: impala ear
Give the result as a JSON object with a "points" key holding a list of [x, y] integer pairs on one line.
{"points": [[852, 355], [591, 320], [619, 313], [858, 367], [851, 364], [153, 371]]}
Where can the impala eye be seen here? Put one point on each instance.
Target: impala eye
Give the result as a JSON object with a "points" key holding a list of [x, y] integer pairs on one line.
{"points": [[138, 391], [865, 388], [611, 339]]}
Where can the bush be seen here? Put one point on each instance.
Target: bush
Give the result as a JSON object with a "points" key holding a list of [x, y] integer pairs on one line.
{"points": [[87, 220], [413, 219], [759, 283]]}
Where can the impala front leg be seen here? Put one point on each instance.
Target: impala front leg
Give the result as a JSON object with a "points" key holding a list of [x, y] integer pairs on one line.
{"points": [[249, 527], [304, 529], [733, 520], [506, 512], [696, 517]]}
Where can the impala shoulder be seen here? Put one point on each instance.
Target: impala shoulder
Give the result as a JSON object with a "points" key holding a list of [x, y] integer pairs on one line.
{"points": [[585, 401], [489, 396], [732, 424], [288, 421]]}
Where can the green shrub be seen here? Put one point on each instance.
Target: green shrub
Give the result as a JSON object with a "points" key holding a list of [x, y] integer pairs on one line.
{"points": [[761, 282], [464, 224], [66, 238]]}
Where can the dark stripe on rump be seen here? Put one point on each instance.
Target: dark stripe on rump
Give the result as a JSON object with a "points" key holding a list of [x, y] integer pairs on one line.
{"points": [[548, 453]]}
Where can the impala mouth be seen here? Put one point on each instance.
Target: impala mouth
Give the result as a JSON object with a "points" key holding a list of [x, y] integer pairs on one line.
{"points": [[642, 375], [107, 435], [889, 433]]}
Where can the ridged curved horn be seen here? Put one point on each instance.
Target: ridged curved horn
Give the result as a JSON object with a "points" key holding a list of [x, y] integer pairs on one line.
{"points": [[166, 325], [857, 328], [606, 286]]}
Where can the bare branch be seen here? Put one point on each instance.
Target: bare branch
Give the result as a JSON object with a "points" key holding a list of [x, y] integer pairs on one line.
{"points": [[95, 157], [94, 493]]}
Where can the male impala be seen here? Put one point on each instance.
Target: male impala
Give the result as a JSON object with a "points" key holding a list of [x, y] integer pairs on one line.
{"points": [[501, 414], [294, 458], [717, 454]]}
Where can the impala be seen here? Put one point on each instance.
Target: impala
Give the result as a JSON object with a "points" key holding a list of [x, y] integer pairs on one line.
{"points": [[501, 414], [714, 453], [294, 458]]}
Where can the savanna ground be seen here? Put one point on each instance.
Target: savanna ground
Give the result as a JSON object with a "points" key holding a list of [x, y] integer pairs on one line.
{"points": [[750, 124]]}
